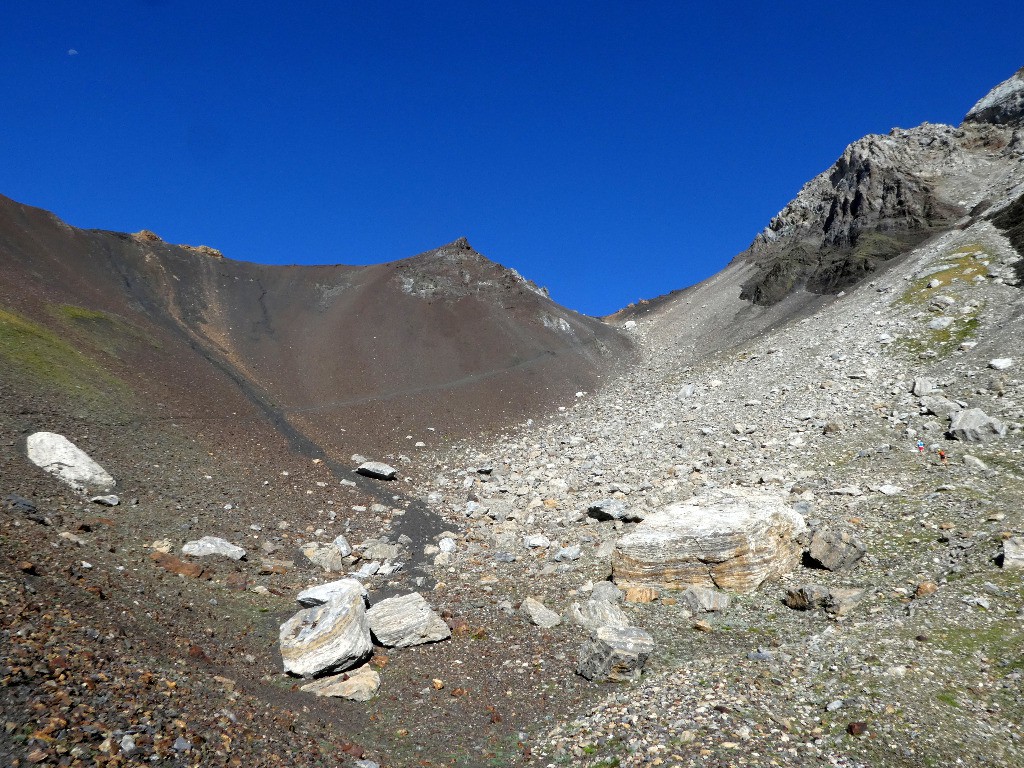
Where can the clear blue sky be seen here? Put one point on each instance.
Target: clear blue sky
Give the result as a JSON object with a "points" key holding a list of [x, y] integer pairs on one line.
{"points": [[610, 151]]}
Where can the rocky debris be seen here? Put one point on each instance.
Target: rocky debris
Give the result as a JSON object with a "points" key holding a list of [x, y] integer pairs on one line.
{"points": [[835, 548], [212, 545], [837, 601], [616, 655], [377, 470], [109, 500], [60, 457], [399, 622], [1013, 553], [334, 636], [323, 593], [1003, 105], [538, 614], [177, 566], [359, 684], [734, 541], [975, 426], [700, 598], [613, 509], [595, 614], [22, 507], [329, 557]]}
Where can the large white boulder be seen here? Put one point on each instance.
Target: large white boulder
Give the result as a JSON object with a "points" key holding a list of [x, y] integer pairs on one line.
{"points": [[60, 457], [330, 637], [212, 545], [732, 540]]}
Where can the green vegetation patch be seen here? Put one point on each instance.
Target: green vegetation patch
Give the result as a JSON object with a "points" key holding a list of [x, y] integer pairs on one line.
{"points": [[103, 331], [49, 361], [961, 264]]}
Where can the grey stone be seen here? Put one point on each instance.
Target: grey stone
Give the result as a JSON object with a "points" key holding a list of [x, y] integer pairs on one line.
{"points": [[922, 386], [377, 470], [975, 426], [60, 457], [1013, 553], [322, 593], [617, 655], [536, 541], [595, 614], [973, 462], [399, 622], [110, 500], [606, 590], [342, 546], [701, 598], [1001, 363], [330, 637], [360, 684], [566, 554], [539, 614], [212, 545], [836, 549], [939, 405], [326, 556]]}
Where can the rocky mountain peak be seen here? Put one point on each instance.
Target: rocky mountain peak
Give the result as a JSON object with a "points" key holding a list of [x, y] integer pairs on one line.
{"points": [[1003, 105]]}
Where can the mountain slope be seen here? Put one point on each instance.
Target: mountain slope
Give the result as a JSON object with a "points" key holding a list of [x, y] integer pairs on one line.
{"points": [[447, 339]]}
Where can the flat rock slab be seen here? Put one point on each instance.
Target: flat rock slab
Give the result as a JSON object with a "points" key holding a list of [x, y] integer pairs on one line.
{"points": [[734, 541], [618, 655], [399, 622], [212, 545], [63, 459], [334, 636], [597, 613], [539, 614], [377, 470], [837, 601], [323, 593], [360, 684]]}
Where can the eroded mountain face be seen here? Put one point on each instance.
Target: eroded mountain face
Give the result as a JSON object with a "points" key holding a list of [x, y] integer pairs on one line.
{"points": [[886, 194]]}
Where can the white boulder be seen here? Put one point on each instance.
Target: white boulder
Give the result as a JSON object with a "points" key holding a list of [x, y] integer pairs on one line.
{"points": [[60, 457]]}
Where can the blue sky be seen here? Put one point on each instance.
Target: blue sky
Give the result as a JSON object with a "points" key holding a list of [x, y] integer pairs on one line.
{"points": [[609, 151]]}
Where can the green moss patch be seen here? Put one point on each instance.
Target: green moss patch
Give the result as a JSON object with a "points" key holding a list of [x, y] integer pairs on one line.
{"points": [[103, 331]]}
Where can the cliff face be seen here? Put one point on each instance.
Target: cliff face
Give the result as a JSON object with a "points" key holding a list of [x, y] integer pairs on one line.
{"points": [[888, 193]]}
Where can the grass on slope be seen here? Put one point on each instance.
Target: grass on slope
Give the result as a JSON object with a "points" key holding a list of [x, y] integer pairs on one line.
{"points": [[43, 359], [106, 332]]}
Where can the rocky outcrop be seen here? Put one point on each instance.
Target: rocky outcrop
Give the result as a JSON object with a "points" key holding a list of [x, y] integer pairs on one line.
{"points": [[1003, 105], [60, 457], [616, 655], [334, 636], [398, 622], [734, 541]]}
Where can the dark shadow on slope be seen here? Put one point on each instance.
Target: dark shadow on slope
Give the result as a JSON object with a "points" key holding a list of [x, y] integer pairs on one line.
{"points": [[1011, 221]]}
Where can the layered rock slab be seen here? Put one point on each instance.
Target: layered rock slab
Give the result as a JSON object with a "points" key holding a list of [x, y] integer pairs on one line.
{"points": [[358, 685], [60, 457], [399, 622], [615, 654], [334, 636], [734, 541]]}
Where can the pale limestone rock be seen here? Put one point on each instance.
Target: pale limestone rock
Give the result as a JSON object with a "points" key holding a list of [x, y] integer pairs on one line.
{"points": [[328, 637], [399, 622], [378, 470], [60, 457], [539, 614], [700, 598], [596, 613], [326, 556], [614, 654], [212, 545], [322, 593], [360, 684], [1013, 553], [733, 540]]}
